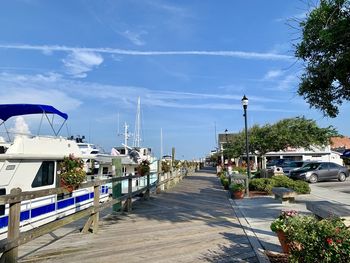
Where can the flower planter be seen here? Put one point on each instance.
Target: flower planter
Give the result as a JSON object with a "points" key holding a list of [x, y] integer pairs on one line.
{"points": [[238, 194], [68, 187], [283, 240]]}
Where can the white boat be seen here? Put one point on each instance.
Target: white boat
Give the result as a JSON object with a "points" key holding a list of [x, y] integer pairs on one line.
{"points": [[31, 163]]}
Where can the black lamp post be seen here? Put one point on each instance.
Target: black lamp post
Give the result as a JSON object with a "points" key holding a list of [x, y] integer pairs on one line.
{"points": [[245, 106]]}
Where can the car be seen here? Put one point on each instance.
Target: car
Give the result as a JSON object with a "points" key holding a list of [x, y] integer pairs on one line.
{"points": [[293, 165], [320, 171], [276, 162]]}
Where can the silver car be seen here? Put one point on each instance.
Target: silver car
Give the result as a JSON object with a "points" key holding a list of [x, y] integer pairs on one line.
{"points": [[320, 171]]}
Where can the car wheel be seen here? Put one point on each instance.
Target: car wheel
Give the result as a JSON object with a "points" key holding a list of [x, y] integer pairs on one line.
{"points": [[341, 177], [313, 178]]}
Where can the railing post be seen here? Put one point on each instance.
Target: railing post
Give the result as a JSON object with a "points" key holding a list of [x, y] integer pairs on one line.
{"points": [[96, 205], [128, 204], [159, 177], [11, 255], [117, 186], [148, 191]]}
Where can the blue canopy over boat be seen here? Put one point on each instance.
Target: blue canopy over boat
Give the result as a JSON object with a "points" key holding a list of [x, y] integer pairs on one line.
{"points": [[9, 110]]}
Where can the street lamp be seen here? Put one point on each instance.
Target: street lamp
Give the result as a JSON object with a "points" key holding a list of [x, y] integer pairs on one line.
{"points": [[245, 106]]}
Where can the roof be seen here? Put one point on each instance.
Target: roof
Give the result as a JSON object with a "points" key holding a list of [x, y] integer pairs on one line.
{"points": [[9, 110], [340, 142]]}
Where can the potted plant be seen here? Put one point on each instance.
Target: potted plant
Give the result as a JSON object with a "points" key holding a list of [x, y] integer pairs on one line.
{"points": [[237, 190], [72, 173], [280, 225], [143, 168], [166, 166], [313, 240]]}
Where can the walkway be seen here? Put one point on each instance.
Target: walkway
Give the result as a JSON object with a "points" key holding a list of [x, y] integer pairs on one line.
{"points": [[192, 222]]}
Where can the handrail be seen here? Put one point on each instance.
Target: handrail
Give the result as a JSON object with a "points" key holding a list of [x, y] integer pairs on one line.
{"points": [[9, 246]]}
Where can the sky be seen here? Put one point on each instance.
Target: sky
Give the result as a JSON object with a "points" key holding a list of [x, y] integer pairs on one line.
{"points": [[189, 61]]}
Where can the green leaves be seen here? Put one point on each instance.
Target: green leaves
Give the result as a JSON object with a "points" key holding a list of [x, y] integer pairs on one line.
{"points": [[325, 47], [293, 132]]}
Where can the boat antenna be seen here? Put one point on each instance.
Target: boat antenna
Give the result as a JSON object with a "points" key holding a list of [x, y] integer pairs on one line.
{"points": [[137, 137]]}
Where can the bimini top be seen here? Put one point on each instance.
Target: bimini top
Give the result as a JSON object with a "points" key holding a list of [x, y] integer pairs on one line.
{"points": [[9, 110]]}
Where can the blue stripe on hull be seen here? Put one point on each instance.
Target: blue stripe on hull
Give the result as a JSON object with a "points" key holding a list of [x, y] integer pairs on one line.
{"points": [[64, 203], [25, 215]]}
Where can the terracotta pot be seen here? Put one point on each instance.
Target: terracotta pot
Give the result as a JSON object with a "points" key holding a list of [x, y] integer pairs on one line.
{"points": [[283, 240], [238, 194], [70, 188]]}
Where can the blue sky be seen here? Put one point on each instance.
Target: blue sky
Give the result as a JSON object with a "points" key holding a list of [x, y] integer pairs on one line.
{"points": [[191, 62]]}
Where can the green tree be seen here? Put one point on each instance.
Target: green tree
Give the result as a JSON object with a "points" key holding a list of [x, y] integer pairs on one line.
{"points": [[292, 132], [325, 48]]}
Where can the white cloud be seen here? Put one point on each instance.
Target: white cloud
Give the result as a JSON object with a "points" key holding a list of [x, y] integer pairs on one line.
{"points": [[20, 127], [79, 62], [272, 74], [35, 89], [223, 53], [134, 37], [63, 93], [288, 83]]}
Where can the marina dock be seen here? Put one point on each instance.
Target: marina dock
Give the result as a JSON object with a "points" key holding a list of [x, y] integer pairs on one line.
{"points": [[191, 222]]}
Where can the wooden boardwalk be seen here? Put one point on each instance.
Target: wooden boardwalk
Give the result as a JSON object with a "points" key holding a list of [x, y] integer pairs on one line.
{"points": [[192, 222]]}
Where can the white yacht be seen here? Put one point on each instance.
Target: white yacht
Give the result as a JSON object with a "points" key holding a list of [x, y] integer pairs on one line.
{"points": [[31, 163]]}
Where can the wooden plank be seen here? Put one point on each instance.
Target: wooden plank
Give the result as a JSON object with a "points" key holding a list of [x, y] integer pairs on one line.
{"points": [[187, 223], [10, 256], [96, 214]]}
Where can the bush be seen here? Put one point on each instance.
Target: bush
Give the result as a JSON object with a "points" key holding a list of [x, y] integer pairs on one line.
{"points": [[240, 170], [224, 181], [327, 240], [259, 184], [236, 187], [266, 184]]}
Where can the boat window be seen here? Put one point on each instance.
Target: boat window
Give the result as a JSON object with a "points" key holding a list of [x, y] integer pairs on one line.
{"points": [[3, 149], [45, 174], [104, 170], [2, 207], [10, 167]]}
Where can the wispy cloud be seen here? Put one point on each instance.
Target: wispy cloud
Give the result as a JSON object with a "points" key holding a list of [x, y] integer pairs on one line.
{"points": [[289, 82], [14, 90], [272, 74], [63, 92], [135, 37], [223, 53], [78, 63]]}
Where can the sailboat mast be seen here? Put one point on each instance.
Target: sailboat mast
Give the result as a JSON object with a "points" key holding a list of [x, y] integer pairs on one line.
{"points": [[126, 137], [137, 137]]}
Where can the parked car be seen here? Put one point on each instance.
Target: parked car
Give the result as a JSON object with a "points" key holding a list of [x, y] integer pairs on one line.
{"points": [[293, 165], [276, 162], [320, 171]]}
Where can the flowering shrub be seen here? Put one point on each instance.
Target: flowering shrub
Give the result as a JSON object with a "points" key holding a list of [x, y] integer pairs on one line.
{"points": [[72, 171], [237, 187], [143, 168], [327, 240], [166, 166], [281, 222]]}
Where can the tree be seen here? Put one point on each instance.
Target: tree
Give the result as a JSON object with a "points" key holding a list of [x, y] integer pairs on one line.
{"points": [[292, 132], [325, 47]]}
